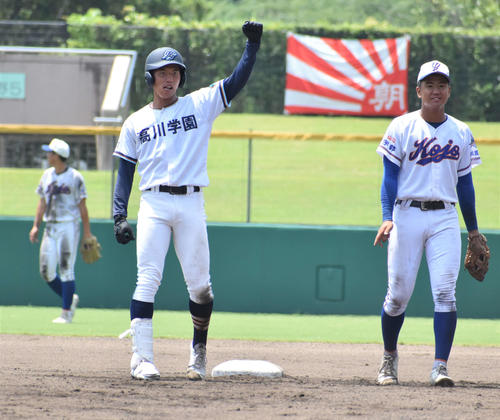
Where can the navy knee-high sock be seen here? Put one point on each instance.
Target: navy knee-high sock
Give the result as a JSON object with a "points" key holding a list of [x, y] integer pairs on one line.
{"points": [[445, 324], [139, 309], [55, 285], [391, 326], [200, 313], [68, 288]]}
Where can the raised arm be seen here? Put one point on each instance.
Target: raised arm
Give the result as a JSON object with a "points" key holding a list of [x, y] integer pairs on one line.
{"points": [[237, 80]]}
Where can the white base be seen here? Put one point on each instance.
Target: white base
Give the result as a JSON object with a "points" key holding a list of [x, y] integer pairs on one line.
{"points": [[248, 367]]}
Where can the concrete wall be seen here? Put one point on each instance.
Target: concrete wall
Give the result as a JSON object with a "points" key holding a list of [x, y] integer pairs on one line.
{"points": [[254, 268], [60, 89]]}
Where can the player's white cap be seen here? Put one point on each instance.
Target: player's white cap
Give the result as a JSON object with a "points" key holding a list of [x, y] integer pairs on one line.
{"points": [[57, 146], [433, 67]]}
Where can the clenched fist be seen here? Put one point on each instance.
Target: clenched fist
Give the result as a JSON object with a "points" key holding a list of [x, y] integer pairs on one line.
{"points": [[253, 31], [123, 232]]}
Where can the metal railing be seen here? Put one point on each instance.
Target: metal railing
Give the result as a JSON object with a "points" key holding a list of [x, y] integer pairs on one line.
{"points": [[270, 135]]}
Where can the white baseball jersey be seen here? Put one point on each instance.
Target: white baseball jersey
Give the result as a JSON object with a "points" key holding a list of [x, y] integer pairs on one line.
{"points": [[430, 159], [62, 193], [170, 145]]}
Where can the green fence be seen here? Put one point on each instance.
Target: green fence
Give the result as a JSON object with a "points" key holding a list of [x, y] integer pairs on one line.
{"points": [[254, 268]]}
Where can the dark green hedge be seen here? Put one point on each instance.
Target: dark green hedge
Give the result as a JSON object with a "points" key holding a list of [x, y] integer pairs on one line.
{"points": [[211, 52]]}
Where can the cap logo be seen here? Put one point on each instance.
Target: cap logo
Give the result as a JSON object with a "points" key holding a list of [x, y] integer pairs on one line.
{"points": [[435, 66], [169, 55]]}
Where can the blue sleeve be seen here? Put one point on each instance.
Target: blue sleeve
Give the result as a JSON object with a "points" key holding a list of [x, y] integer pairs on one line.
{"points": [[234, 83], [467, 201], [123, 186], [389, 189]]}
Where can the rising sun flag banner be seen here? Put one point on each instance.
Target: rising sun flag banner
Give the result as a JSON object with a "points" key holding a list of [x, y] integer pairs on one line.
{"points": [[346, 76]]}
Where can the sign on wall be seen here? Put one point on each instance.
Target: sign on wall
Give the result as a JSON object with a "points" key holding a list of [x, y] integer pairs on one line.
{"points": [[12, 85], [346, 76]]}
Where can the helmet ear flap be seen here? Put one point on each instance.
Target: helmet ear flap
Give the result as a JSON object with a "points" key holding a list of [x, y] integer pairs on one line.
{"points": [[149, 78], [183, 78]]}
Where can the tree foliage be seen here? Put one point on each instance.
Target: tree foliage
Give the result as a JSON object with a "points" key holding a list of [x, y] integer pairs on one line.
{"points": [[470, 14], [61, 9]]}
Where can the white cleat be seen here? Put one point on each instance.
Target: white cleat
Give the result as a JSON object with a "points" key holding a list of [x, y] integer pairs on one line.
{"points": [[388, 372], [65, 318], [439, 376], [197, 362], [143, 369]]}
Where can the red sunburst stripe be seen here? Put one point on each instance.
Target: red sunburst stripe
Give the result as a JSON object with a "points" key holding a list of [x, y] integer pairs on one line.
{"points": [[302, 53], [295, 83], [370, 48], [346, 53]]}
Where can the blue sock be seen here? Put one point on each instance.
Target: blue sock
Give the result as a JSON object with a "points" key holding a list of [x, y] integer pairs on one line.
{"points": [[139, 309], [200, 313], [391, 326], [55, 285], [68, 288], [444, 332]]}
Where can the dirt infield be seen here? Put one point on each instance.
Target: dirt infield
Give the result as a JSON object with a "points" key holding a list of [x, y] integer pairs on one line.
{"points": [[81, 378]]}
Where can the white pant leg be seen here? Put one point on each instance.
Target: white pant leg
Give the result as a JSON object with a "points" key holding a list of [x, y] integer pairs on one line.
{"points": [[68, 240], [443, 251], [153, 240], [48, 253], [406, 245], [191, 246], [59, 247]]}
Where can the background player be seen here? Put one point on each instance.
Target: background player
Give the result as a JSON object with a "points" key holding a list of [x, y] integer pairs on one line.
{"points": [[428, 156], [168, 140], [62, 203]]}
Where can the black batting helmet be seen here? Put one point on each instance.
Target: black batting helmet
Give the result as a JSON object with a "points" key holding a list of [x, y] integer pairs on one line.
{"points": [[163, 57]]}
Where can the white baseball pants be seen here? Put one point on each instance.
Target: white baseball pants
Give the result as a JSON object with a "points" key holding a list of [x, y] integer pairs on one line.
{"points": [[182, 217], [438, 233], [59, 247]]}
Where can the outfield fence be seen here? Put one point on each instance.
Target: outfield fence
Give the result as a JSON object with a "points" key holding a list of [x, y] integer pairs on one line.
{"points": [[249, 134]]}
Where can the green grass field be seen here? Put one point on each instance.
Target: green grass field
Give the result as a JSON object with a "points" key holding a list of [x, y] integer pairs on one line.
{"points": [[239, 326], [304, 182]]}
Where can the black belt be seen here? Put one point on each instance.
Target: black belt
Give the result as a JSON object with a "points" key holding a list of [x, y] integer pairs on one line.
{"points": [[426, 205], [182, 190]]}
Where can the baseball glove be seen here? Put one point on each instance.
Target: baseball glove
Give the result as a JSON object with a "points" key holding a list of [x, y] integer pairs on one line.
{"points": [[477, 256], [90, 249]]}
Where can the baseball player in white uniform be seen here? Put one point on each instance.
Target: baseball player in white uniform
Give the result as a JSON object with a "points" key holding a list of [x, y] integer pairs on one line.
{"points": [[62, 203], [168, 142], [428, 156]]}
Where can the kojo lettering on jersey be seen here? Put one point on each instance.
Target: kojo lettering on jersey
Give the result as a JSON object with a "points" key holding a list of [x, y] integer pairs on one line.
{"points": [[436, 153], [54, 189]]}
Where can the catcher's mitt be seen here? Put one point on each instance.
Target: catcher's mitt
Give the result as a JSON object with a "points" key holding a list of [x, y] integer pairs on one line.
{"points": [[477, 256], [91, 250]]}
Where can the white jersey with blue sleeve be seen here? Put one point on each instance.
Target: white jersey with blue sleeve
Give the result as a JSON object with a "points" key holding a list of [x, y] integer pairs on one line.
{"points": [[430, 159], [170, 145]]}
